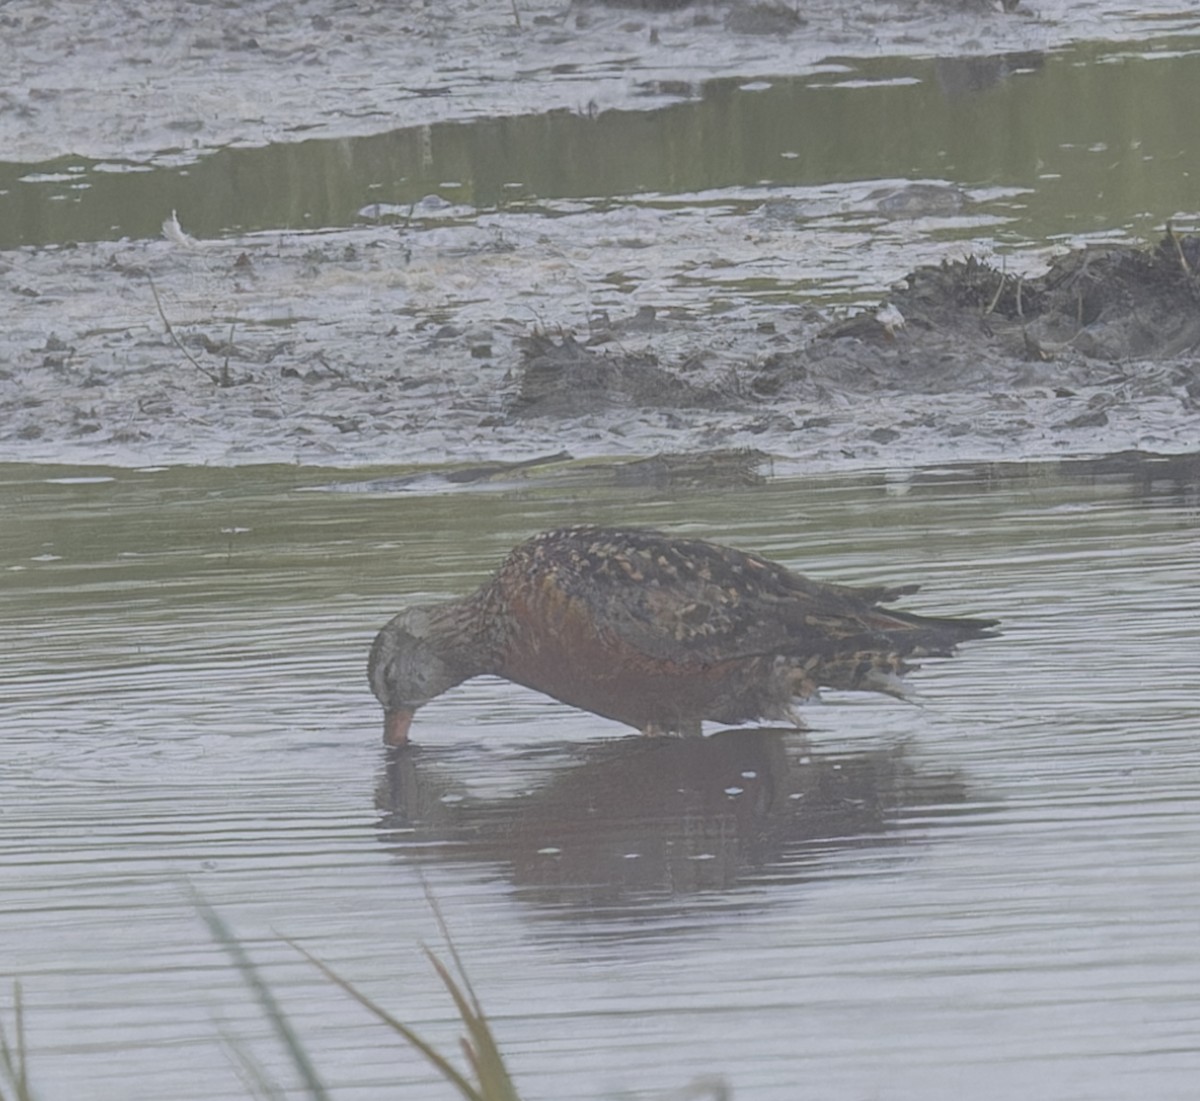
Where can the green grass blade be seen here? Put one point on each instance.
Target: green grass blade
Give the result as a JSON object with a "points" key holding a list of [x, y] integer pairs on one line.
{"points": [[480, 1043], [483, 1052], [444, 929], [223, 935], [13, 1065], [252, 1073], [445, 1068]]}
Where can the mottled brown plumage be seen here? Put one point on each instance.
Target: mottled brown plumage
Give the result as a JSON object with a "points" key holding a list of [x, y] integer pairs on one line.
{"points": [[654, 631]]}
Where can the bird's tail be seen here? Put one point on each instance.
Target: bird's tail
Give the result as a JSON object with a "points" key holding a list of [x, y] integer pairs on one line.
{"points": [[878, 659], [930, 636]]}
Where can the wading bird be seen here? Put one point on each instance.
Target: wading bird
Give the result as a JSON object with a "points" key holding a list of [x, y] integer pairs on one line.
{"points": [[656, 632]]}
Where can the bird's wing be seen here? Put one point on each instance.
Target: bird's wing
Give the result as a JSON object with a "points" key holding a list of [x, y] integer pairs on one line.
{"points": [[693, 602]]}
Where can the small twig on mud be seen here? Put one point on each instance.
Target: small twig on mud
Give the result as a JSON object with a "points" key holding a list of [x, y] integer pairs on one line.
{"points": [[1178, 249], [1190, 276], [320, 358], [1020, 308], [226, 378], [516, 15], [996, 297], [210, 375]]}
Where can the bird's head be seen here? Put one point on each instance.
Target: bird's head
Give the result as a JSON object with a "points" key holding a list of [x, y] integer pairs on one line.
{"points": [[405, 670]]}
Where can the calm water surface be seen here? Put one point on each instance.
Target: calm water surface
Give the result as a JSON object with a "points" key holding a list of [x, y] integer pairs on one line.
{"points": [[1076, 141], [994, 894]]}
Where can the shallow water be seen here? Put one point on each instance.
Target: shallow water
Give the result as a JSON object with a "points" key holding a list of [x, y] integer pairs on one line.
{"points": [[1119, 159], [992, 894]]}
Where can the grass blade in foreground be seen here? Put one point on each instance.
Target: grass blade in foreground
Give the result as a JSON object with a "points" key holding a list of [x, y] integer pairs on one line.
{"points": [[494, 1082], [14, 1070], [222, 934]]}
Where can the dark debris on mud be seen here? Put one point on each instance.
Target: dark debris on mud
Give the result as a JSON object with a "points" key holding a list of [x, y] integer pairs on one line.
{"points": [[566, 379], [959, 326]]}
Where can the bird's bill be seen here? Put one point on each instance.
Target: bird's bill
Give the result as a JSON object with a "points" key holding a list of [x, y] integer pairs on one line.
{"points": [[395, 727]]}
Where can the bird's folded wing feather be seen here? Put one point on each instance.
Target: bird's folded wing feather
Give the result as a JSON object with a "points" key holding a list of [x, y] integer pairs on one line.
{"points": [[696, 603]]}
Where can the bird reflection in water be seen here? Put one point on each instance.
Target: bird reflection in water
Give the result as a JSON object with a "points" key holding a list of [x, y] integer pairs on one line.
{"points": [[631, 821]]}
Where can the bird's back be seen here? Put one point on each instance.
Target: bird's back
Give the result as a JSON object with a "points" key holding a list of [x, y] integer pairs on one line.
{"points": [[649, 628]]}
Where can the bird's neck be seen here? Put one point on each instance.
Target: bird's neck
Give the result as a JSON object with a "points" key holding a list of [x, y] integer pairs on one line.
{"points": [[465, 635]]}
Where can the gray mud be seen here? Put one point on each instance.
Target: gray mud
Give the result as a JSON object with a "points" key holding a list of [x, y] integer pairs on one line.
{"points": [[1104, 333], [373, 349], [164, 81], [1119, 322], [488, 337]]}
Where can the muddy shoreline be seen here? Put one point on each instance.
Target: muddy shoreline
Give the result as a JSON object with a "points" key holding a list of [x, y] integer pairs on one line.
{"points": [[162, 81], [471, 336], [256, 356]]}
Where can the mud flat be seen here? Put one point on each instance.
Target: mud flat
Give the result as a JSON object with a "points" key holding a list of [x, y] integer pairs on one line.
{"points": [[488, 336], [302, 349], [164, 81]]}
